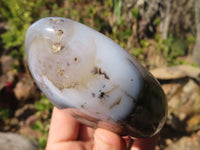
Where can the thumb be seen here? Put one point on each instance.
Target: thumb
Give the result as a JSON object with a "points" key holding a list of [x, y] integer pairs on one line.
{"points": [[107, 140]]}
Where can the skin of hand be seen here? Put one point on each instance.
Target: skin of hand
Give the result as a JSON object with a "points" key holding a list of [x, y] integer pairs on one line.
{"points": [[66, 133]]}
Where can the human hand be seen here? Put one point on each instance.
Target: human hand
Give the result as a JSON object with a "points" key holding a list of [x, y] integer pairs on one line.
{"points": [[66, 133]]}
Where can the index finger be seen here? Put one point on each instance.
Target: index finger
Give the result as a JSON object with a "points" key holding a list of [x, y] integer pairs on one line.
{"points": [[63, 127]]}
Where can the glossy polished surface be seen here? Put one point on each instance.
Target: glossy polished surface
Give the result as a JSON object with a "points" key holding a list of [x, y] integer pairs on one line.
{"points": [[78, 67]]}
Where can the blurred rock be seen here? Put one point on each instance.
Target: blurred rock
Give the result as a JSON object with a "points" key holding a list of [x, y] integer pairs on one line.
{"points": [[6, 128], [25, 111], [7, 74], [14, 122], [177, 72], [7, 82], [181, 86], [9, 77], [31, 120], [25, 89], [12, 141], [184, 104], [29, 132], [193, 123], [7, 63], [186, 143]]}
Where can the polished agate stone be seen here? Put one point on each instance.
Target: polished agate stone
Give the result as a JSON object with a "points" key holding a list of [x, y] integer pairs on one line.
{"points": [[80, 69]]}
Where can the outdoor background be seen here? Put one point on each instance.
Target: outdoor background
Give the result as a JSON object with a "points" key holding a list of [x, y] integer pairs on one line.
{"points": [[164, 36]]}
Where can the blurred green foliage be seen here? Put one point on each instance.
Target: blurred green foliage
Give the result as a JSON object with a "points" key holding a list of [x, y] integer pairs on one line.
{"points": [[19, 14], [43, 129], [190, 39], [174, 47], [117, 9], [144, 43], [4, 113], [44, 109], [43, 105], [135, 12]]}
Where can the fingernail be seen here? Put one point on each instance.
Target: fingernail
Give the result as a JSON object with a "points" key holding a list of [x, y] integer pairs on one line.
{"points": [[100, 144]]}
